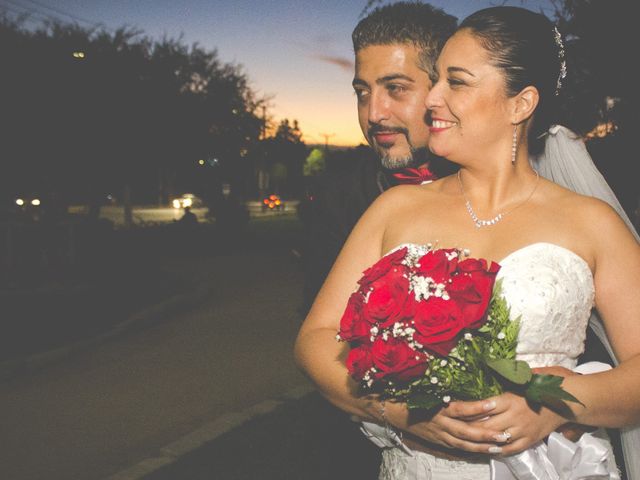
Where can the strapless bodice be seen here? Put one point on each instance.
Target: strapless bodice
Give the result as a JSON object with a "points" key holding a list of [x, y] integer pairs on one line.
{"points": [[551, 289]]}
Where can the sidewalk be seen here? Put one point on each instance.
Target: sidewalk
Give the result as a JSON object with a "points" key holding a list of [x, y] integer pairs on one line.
{"points": [[301, 439], [104, 402], [100, 410]]}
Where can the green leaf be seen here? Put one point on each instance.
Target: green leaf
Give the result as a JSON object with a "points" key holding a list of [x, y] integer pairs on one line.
{"points": [[423, 400], [546, 388], [497, 290], [515, 371]]}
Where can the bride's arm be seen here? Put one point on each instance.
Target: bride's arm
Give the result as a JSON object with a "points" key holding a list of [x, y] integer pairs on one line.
{"points": [[322, 357], [317, 351]]}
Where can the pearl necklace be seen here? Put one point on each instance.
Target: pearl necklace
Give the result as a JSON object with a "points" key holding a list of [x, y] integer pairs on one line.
{"points": [[492, 221]]}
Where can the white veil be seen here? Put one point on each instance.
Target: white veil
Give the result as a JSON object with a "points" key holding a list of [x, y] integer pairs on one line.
{"points": [[567, 162]]}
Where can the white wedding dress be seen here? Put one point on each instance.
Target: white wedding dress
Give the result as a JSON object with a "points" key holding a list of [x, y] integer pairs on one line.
{"points": [[552, 289]]}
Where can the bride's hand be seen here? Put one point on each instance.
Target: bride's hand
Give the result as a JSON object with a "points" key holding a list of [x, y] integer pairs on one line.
{"points": [[521, 427], [450, 427]]}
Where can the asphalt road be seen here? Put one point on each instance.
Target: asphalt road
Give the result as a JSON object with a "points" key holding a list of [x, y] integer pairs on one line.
{"points": [[164, 215], [102, 410]]}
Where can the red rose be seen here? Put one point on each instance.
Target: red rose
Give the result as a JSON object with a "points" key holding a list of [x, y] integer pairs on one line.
{"points": [[437, 323], [359, 361], [394, 359], [387, 296], [436, 265], [353, 326], [382, 266], [472, 290]]}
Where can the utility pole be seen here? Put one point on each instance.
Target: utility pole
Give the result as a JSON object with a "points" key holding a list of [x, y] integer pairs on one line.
{"points": [[326, 139], [263, 133], [261, 170]]}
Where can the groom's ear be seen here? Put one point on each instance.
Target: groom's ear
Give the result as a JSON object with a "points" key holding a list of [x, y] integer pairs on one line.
{"points": [[524, 104]]}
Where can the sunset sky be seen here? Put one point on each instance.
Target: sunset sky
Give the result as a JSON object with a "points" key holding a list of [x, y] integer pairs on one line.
{"points": [[298, 52]]}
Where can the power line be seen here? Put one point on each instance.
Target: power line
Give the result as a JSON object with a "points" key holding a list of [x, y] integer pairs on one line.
{"points": [[29, 15], [67, 14], [42, 15]]}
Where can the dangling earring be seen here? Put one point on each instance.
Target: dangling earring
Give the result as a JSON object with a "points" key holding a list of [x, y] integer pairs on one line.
{"points": [[514, 145]]}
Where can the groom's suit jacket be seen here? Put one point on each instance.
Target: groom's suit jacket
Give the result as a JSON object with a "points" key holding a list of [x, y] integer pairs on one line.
{"points": [[339, 200]]}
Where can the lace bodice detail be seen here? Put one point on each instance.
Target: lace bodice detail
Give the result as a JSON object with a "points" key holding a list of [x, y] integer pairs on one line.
{"points": [[551, 288]]}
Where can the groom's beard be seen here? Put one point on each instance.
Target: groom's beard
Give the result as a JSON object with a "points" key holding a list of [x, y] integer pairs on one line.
{"points": [[413, 158]]}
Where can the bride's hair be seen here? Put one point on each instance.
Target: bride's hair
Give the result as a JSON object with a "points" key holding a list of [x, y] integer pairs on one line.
{"points": [[523, 44]]}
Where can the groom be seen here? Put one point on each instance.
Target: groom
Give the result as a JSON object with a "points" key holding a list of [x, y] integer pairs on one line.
{"points": [[396, 47]]}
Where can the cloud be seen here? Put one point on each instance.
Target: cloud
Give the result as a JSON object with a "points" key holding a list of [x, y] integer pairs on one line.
{"points": [[344, 63]]}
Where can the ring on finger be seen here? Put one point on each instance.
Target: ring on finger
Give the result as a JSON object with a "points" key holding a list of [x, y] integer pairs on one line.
{"points": [[507, 436]]}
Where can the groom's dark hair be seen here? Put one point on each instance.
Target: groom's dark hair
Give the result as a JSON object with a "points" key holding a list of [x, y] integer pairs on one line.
{"points": [[414, 23]]}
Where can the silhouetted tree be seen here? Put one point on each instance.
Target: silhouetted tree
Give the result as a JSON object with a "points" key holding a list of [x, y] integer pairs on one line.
{"points": [[600, 79], [602, 85], [86, 112], [285, 154], [315, 163]]}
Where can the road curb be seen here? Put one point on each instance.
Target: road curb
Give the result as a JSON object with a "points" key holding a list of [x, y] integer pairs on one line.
{"points": [[140, 319], [208, 432]]}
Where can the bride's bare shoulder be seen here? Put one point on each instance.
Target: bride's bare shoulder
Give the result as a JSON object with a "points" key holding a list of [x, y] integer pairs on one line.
{"points": [[590, 215], [401, 197], [577, 203]]}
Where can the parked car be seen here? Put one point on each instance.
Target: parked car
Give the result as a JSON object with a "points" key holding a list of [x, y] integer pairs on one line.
{"points": [[272, 202], [27, 206], [187, 200]]}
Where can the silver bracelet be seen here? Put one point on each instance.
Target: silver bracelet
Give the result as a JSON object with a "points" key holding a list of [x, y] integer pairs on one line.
{"points": [[391, 432]]}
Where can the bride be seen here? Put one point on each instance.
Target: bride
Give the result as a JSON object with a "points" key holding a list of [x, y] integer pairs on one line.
{"points": [[491, 109]]}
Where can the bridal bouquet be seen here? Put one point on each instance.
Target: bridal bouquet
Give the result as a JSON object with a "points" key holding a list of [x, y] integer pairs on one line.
{"points": [[429, 328]]}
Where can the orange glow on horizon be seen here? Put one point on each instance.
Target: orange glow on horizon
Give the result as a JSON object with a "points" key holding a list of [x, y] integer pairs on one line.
{"points": [[335, 123]]}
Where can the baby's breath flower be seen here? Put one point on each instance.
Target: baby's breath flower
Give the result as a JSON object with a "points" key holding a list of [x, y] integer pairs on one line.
{"points": [[451, 255]]}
